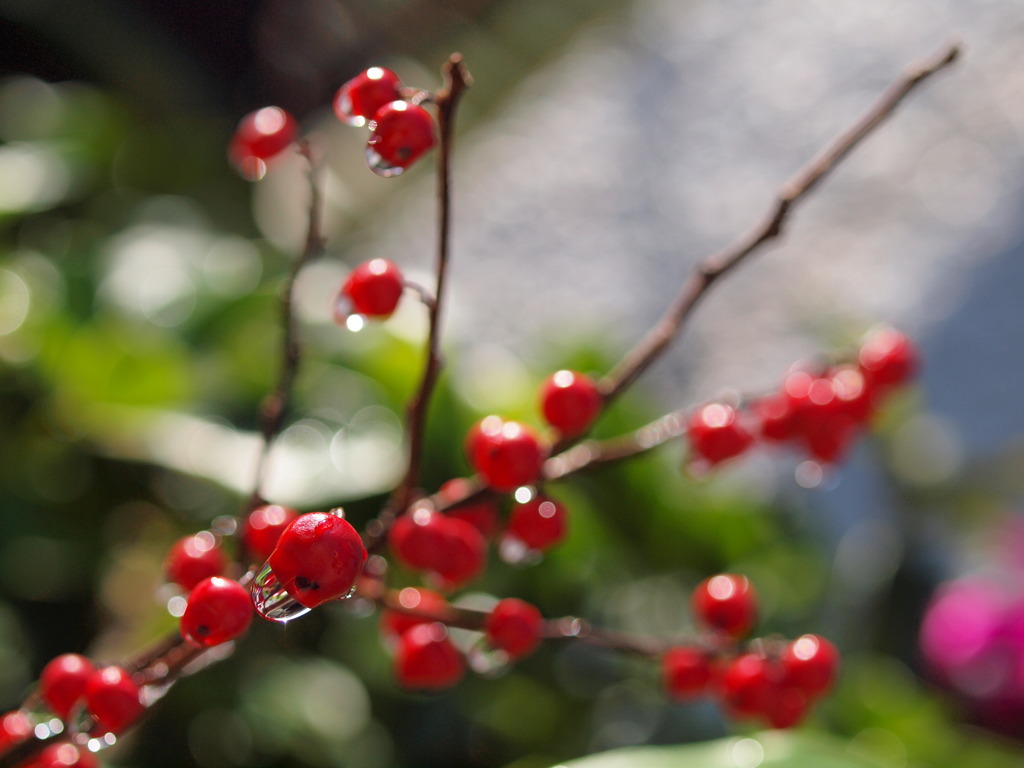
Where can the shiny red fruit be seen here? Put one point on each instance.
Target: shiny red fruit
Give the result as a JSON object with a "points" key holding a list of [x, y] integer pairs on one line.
{"points": [[218, 610], [318, 558], [416, 538], [727, 603], [394, 623], [112, 697], [194, 558], [263, 527], [747, 685], [716, 434], [810, 663], [261, 135], [64, 755], [506, 454], [425, 659], [685, 672], [540, 523], [786, 707], [360, 98], [481, 513], [374, 288], [62, 682], [515, 627], [887, 358], [400, 133], [451, 549], [570, 402], [15, 727]]}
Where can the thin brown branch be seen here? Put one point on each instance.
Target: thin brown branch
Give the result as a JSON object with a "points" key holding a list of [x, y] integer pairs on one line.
{"points": [[638, 359]]}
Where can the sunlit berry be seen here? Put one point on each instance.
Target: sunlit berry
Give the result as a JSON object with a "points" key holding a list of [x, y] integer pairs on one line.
{"points": [[359, 99], [261, 135], [747, 685], [685, 671], [462, 554], [481, 513], [514, 626], [218, 610], [62, 682], [539, 524], [263, 527], [112, 697], [726, 602], [318, 558], [887, 358], [716, 434], [373, 289], [506, 454], [194, 558], [15, 727], [394, 623], [400, 133], [415, 538], [426, 659], [570, 402], [810, 663], [65, 755]]}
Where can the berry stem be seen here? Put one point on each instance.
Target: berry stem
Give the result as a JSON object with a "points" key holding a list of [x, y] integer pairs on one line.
{"points": [[640, 357]]}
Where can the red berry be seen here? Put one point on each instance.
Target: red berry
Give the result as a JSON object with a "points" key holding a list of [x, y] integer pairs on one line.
{"points": [[112, 697], [685, 671], [318, 558], [506, 454], [726, 602], [194, 558], [263, 527], [260, 136], [481, 513], [570, 402], [539, 523], [514, 626], [65, 755], [462, 553], [399, 134], [358, 99], [748, 684], [852, 392], [373, 289], [810, 663], [394, 623], [716, 434], [218, 610], [826, 428], [425, 659], [416, 538], [887, 359], [786, 707], [15, 727], [62, 682]]}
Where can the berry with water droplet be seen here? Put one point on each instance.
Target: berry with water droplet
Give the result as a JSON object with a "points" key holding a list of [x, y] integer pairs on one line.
{"points": [[810, 663], [359, 99], [373, 288], [506, 454], [539, 524], [218, 610], [685, 671], [318, 558], [716, 434], [426, 659], [394, 623], [261, 135], [194, 558], [570, 402], [15, 727], [400, 133], [514, 626], [112, 697], [263, 527], [726, 602], [63, 681]]}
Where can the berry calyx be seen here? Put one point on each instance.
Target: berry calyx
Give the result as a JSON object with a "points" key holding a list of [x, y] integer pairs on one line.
{"points": [[318, 558], [261, 135], [506, 454], [400, 133], [727, 603], [716, 434], [112, 697], [218, 610], [372, 289], [685, 672], [810, 663], [539, 524], [359, 99], [570, 402], [426, 659], [194, 558], [394, 623], [63, 681], [514, 626], [263, 527], [15, 727]]}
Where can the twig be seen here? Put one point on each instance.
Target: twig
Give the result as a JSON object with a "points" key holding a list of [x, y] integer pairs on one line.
{"points": [[638, 359]]}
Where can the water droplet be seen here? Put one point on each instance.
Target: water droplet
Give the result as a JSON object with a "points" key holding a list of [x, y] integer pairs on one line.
{"points": [[514, 551], [272, 600], [344, 110], [380, 166], [487, 661]]}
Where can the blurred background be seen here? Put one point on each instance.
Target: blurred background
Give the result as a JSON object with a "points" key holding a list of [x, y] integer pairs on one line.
{"points": [[605, 148]]}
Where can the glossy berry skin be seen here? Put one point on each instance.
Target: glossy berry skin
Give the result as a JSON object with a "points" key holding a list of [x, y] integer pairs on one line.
{"points": [[514, 626], [15, 727], [451, 549], [685, 672], [64, 755], [426, 660], [747, 685], [570, 402], [62, 682], [261, 135], [400, 133], [112, 697], [540, 523], [359, 99], [482, 513], [263, 527], [811, 664], [218, 610], [786, 707], [194, 558], [416, 538], [716, 434], [318, 558], [395, 623], [887, 358], [506, 454], [374, 288], [727, 603]]}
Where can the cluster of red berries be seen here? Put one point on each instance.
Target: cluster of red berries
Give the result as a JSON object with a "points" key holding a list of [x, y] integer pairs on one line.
{"points": [[425, 658], [821, 411], [774, 681]]}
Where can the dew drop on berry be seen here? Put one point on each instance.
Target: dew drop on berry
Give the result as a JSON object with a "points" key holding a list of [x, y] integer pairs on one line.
{"points": [[272, 600], [380, 166]]}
